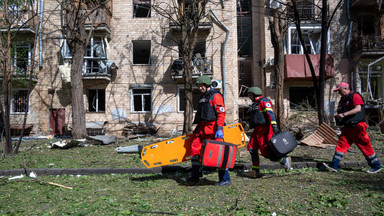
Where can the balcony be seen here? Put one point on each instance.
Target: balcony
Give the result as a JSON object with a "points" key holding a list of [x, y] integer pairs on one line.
{"points": [[368, 45], [100, 18], [296, 67], [98, 69], [102, 22], [201, 66], [23, 20]]}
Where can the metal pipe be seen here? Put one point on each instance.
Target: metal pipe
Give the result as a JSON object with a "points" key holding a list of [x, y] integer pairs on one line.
{"points": [[223, 49], [40, 37]]}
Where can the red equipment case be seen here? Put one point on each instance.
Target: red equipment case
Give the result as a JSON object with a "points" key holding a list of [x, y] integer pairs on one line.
{"points": [[218, 154]]}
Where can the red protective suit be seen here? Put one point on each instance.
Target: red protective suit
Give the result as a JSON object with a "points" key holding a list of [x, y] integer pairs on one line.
{"points": [[207, 130], [262, 134], [357, 135]]}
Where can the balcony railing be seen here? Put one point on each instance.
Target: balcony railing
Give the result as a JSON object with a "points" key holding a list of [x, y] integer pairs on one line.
{"points": [[368, 44], [22, 19], [102, 22], [201, 66], [97, 69]]}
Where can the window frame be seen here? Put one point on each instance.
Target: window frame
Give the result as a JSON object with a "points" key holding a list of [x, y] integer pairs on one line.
{"points": [[90, 103], [313, 27], [144, 3], [179, 87], [132, 101], [15, 58], [92, 59], [13, 91]]}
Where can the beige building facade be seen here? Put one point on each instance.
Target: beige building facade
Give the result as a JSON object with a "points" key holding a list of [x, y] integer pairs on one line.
{"points": [[133, 74], [130, 69]]}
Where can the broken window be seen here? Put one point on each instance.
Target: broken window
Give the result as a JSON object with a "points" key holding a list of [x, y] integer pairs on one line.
{"points": [[181, 98], [95, 57], [96, 100], [141, 8], [21, 55], [19, 101], [244, 35], [302, 98], [201, 64], [141, 51], [311, 35], [141, 100]]}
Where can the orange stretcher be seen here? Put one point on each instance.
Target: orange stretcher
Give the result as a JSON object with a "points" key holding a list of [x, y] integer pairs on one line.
{"points": [[178, 149]]}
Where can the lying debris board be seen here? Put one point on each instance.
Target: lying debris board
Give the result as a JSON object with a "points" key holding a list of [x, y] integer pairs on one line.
{"points": [[323, 137], [178, 149]]}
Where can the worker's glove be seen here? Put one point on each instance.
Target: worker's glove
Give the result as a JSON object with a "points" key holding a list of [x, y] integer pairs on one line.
{"points": [[219, 134], [275, 129]]}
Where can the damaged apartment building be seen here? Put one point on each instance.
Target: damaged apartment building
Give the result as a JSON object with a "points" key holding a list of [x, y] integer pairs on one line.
{"points": [[133, 72], [354, 53]]}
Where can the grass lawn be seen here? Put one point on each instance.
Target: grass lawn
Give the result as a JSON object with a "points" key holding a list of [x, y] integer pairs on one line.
{"points": [[300, 192]]}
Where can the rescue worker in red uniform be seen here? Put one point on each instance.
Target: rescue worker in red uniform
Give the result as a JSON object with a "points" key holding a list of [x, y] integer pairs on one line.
{"points": [[351, 117], [210, 120], [263, 121]]}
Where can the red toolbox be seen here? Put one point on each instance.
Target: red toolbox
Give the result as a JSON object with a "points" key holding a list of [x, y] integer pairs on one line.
{"points": [[218, 154]]}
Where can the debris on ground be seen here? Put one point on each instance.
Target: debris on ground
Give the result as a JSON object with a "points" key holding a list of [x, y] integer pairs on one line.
{"points": [[323, 137], [66, 144], [129, 149], [103, 139], [140, 128]]}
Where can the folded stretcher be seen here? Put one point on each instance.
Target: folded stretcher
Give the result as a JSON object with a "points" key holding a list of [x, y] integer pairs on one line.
{"points": [[178, 149]]}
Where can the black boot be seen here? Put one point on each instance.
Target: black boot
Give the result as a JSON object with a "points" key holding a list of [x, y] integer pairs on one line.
{"points": [[196, 170]]}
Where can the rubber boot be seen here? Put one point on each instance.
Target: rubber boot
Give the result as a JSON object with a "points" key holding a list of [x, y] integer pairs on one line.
{"points": [[224, 178], [196, 170], [374, 163], [334, 165]]}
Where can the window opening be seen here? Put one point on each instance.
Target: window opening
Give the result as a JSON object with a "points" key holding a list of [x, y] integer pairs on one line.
{"points": [[142, 100], [141, 52], [19, 101], [302, 98], [141, 8], [96, 100]]}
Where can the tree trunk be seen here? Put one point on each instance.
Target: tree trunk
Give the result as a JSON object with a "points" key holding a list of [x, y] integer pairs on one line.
{"points": [[78, 111], [323, 52], [277, 36], [7, 88]]}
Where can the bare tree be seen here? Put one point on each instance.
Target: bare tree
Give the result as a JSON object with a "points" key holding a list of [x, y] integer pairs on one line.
{"points": [[75, 14], [279, 23], [16, 15], [325, 24], [278, 27], [186, 15]]}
